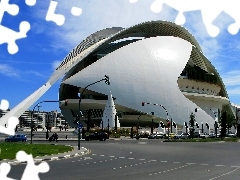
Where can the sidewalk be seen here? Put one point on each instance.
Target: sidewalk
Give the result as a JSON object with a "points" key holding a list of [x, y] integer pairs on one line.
{"points": [[70, 154]]}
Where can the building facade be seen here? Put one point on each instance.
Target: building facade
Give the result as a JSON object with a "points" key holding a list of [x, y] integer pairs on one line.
{"points": [[156, 62]]}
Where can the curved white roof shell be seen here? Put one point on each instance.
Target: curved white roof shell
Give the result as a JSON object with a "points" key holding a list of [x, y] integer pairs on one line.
{"points": [[144, 71]]}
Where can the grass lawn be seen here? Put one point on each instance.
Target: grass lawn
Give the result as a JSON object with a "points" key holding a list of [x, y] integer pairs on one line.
{"points": [[9, 150]]}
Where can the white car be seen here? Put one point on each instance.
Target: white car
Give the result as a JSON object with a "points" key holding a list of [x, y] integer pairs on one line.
{"points": [[184, 136]]}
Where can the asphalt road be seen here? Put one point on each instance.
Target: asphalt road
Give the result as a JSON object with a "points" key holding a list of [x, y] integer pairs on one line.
{"points": [[146, 159]]}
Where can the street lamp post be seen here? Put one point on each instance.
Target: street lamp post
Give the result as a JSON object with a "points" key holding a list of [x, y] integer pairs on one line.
{"points": [[47, 133], [152, 123], [38, 104], [108, 128], [107, 81], [202, 126], [143, 103]]}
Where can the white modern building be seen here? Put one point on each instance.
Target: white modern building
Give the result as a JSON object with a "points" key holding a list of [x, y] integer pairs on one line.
{"points": [[157, 62]]}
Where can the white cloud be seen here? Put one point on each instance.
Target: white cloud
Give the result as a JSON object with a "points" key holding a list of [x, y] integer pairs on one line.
{"points": [[55, 64], [7, 70], [96, 16], [232, 78]]}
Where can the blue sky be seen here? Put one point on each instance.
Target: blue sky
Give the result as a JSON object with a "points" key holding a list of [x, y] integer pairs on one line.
{"points": [[47, 44]]}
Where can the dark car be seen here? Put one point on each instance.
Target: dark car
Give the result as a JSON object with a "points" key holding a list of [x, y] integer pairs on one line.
{"points": [[184, 136], [152, 136], [16, 138], [102, 136], [196, 135]]}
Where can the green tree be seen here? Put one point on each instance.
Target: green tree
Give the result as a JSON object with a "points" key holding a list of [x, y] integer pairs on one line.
{"points": [[230, 121], [223, 124], [191, 124]]}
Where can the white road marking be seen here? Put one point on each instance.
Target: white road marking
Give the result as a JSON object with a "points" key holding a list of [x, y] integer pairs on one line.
{"points": [[176, 162], [121, 157], [204, 164], [131, 158], [141, 159], [163, 161]]}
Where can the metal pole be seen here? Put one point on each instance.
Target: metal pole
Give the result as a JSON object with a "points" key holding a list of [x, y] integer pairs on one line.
{"points": [[31, 126], [108, 128], [202, 127], [152, 127], [171, 125], [79, 118], [47, 135]]}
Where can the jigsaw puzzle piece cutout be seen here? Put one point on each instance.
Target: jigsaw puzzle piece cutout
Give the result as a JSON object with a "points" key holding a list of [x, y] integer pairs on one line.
{"points": [[30, 2], [59, 19], [76, 11], [133, 1], [4, 105], [31, 169], [11, 36], [12, 9], [12, 123], [4, 170]]}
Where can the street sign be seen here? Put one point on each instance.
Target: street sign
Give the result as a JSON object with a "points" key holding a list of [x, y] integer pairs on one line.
{"points": [[79, 126]]}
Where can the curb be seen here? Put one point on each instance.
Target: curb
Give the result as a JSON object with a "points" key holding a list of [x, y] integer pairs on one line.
{"points": [[37, 159]]}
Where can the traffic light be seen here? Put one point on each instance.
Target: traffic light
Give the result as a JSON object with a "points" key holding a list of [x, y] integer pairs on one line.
{"points": [[162, 125], [207, 125], [143, 103], [195, 109], [197, 125], [107, 80], [174, 124], [66, 102]]}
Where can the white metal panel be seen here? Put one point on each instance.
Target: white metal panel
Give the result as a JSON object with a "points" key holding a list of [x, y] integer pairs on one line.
{"points": [[144, 71]]}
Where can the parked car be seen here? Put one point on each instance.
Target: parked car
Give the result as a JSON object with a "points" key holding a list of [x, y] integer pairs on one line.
{"points": [[184, 136], [230, 134], [203, 135], [160, 135], [102, 136], [196, 135], [177, 136], [16, 138], [152, 136]]}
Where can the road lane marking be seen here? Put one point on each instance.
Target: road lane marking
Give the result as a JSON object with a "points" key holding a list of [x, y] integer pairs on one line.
{"points": [[219, 165], [176, 162], [131, 158], [204, 164], [141, 159], [163, 161], [224, 174]]}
